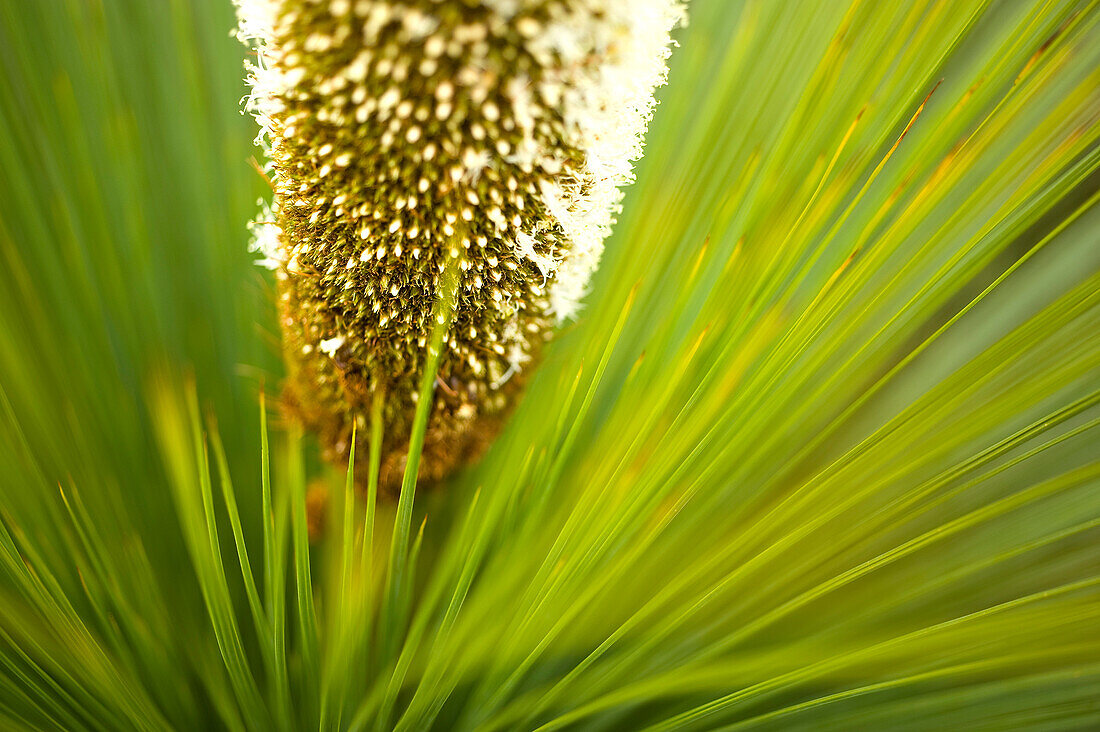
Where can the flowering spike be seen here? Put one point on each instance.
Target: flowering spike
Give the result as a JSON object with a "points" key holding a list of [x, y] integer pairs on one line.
{"points": [[400, 134]]}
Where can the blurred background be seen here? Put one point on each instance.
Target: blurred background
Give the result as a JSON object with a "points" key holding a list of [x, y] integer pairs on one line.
{"points": [[821, 450]]}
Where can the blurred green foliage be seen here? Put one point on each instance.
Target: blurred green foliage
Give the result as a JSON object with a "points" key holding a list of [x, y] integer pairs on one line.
{"points": [[821, 452]]}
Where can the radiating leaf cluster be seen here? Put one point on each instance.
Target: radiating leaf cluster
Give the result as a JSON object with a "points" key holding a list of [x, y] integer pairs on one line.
{"points": [[821, 451]]}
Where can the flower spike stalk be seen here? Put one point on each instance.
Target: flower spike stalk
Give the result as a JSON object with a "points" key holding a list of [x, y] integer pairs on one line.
{"points": [[401, 135]]}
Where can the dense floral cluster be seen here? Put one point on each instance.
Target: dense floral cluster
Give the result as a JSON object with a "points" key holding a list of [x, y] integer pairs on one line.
{"points": [[496, 134]]}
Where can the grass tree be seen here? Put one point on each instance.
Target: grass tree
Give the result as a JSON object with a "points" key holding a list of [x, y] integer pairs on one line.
{"points": [[814, 445]]}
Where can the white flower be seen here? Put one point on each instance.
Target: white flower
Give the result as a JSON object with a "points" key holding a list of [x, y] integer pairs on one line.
{"points": [[266, 235], [330, 346], [403, 136]]}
